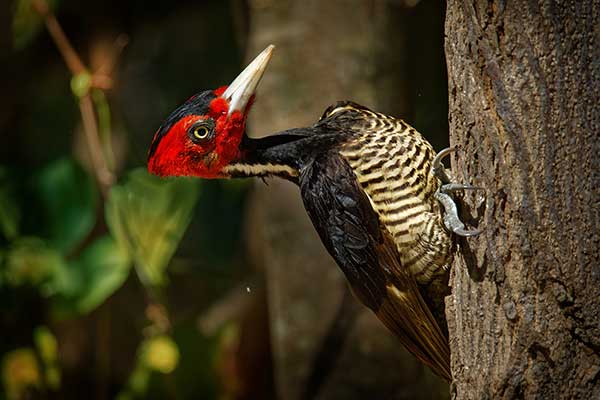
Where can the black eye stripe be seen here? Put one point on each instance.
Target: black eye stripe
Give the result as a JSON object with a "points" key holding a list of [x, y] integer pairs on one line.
{"points": [[201, 131]]}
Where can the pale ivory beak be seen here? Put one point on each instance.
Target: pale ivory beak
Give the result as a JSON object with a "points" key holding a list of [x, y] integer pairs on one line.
{"points": [[240, 91]]}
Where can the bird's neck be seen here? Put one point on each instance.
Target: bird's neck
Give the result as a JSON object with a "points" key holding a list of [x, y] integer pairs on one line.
{"points": [[283, 154], [275, 155]]}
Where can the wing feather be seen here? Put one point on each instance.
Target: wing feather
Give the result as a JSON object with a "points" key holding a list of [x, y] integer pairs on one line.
{"points": [[349, 228]]}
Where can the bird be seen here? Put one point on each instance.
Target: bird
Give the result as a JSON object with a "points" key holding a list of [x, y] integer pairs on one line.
{"points": [[375, 190]]}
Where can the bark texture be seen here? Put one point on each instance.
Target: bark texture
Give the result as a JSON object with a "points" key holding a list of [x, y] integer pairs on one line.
{"points": [[524, 80], [326, 345]]}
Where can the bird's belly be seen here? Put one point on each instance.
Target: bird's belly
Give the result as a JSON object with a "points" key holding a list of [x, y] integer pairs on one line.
{"points": [[401, 190], [415, 224]]}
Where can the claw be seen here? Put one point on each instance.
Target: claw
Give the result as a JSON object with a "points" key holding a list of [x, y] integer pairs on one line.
{"points": [[467, 232], [455, 187], [437, 168], [451, 219]]}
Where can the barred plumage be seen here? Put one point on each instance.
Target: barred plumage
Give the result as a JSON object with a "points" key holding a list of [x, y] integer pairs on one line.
{"points": [[391, 161]]}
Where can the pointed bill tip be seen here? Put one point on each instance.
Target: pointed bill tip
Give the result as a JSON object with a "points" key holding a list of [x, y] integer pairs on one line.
{"points": [[239, 92]]}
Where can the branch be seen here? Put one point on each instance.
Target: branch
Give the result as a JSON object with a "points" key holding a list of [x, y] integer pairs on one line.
{"points": [[81, 84], [67, 51]]}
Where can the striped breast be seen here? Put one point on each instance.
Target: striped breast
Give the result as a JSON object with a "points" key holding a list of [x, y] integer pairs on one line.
{"points": [[392, 162]]}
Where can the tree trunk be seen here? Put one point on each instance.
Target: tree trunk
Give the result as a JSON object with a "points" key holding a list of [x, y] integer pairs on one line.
{"points": [[326, 345], [524, 84]]}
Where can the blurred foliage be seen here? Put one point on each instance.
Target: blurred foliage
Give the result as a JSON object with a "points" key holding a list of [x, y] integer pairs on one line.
{"points": [[31, 261], [68, 199], [75, 278], [10, 214], [27, 371], [47, 347], [76, 270], [20, 373], [160, 354], [68, 242], [104, 126], [81, 84], [26, 22], [148, 216], [101, 268]]}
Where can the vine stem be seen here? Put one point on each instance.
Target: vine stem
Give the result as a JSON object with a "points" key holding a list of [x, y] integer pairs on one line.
{"points": [[104, 176], [67, 51]]}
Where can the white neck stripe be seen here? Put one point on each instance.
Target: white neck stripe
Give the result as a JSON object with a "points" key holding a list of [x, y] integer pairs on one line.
{"points": [[260, 170]]}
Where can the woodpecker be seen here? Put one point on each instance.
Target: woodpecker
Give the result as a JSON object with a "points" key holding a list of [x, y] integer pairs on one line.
{"points": [[373, 187]]}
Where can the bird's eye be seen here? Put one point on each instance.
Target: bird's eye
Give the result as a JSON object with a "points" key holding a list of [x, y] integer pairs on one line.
{"points": [[201, 131]]}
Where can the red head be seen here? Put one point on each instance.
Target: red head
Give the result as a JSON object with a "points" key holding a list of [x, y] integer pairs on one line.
{"points": [[203, 135]]}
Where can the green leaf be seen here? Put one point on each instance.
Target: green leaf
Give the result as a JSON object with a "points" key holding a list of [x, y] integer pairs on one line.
{"points": [[148, 216], [76, 287], [69, 200], [31, 261], [10, 214], [46, 344], [27, 22], [103, 267]]}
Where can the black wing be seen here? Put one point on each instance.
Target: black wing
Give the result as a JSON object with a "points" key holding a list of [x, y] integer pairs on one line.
{"points": [[350, 230]]}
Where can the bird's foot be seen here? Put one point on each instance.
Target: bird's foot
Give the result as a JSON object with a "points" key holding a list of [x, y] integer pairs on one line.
{"points": [[451, 219]]}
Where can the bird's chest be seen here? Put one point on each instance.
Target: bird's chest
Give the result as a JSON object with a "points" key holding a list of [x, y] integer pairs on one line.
{"points": [[393, 170]]}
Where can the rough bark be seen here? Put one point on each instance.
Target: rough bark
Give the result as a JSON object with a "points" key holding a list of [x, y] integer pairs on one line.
{"points": [[524, 80], [326, 51]]}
